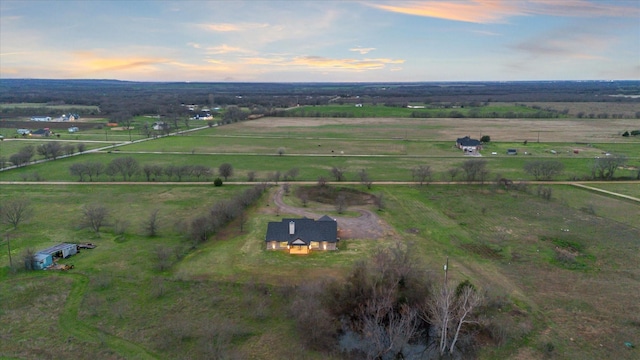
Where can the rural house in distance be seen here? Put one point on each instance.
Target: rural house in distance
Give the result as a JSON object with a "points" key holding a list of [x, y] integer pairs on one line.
{"points": [[468, 145], [300, 236]]}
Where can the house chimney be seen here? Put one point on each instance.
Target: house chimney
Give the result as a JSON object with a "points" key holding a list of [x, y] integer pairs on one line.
{"points": [[292, 227]]}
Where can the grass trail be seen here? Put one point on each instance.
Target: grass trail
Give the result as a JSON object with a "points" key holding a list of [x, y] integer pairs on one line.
{"points": [[70, 323]]}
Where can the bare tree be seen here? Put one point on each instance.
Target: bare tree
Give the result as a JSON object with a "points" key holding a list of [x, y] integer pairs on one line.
{"points": [[341, 203], [304, 197], [448, 311], [280, 151], [606, 166], [475, 169], [365, 179], [79, 170], [453, 172], [151, 225], [275, 177], [225, 170], [291, 174], [94, 216], [29, 259], [95, 169], [338, 173], [544, 169], [81, 147], [251, 176], [68, 149], [126, 166], [322, 181], [16, 211], [422, 174], [287, 188], [163, 258]]}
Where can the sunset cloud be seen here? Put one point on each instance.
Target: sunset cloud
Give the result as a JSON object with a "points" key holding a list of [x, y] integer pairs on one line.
{"points": [[351, 64], [476, 11], [228, 27], [226, 49], [498, 11], [88, 62], [361, 50]]}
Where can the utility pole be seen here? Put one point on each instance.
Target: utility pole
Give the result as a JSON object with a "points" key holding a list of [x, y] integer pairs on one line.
{"points": [[446, 268]]}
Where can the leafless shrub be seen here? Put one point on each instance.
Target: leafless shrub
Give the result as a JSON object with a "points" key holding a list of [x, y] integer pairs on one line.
{"points": [[28, 258], [565, 256], [545, 192], [163, 258], [120, 227], [338, 173], [151, 225]]}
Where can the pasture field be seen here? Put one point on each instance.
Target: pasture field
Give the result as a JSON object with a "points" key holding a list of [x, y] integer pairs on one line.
{"points": [[49, 107], [387, 148], [379, 168], [165, 297], [118, 303]]}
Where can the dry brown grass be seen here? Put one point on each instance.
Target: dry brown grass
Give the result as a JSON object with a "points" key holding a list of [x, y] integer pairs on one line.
{"points": [[550, 130]]}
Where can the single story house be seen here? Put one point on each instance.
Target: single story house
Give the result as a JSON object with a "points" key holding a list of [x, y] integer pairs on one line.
{"points": [[300, 236], [74, 129], [512, 152], [42, 261], [24, 131], [468, 145]]}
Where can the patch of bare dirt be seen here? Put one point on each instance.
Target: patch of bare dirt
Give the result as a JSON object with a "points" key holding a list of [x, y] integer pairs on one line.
{"points": [[366, 226]]}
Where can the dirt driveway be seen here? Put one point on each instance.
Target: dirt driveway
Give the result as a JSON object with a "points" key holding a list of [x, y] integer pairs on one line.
{"points": [[367, 226]]}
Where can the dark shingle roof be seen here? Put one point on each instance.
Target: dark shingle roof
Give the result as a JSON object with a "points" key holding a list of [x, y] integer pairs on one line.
{"points": [[467, 141], [325, 229]]}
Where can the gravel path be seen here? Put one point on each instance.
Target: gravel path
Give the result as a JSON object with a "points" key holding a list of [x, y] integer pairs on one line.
{"points": [[367, 226]]}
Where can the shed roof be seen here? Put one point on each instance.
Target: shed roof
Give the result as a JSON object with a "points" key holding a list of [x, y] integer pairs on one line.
{"points": [[54, 249]]}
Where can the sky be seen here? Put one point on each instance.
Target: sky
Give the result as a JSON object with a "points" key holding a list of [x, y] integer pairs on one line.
{"points": [[321, 40]]}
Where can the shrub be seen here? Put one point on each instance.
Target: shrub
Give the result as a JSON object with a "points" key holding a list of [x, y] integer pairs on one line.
{"points": [[217, 182]]}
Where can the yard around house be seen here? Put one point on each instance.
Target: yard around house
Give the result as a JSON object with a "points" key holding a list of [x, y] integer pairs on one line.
{"points": [[228, 297]]}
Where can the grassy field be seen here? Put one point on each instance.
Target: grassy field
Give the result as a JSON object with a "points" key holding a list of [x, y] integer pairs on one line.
{"points": [[49, 107], [229, 298], [371, 110], [127, 307]]}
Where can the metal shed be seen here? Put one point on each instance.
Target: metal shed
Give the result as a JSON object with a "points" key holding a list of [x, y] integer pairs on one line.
{"points": [[42, 261], [63, 250]]}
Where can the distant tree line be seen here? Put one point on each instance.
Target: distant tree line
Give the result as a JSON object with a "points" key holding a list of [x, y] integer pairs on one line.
{"points": [[135, 98]]}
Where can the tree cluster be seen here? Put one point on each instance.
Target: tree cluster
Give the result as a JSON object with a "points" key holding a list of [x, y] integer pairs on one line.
{"points": [[605, 167], [544, 169], [128, 167], [387, 308], [23, 156], [199, 229]]}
